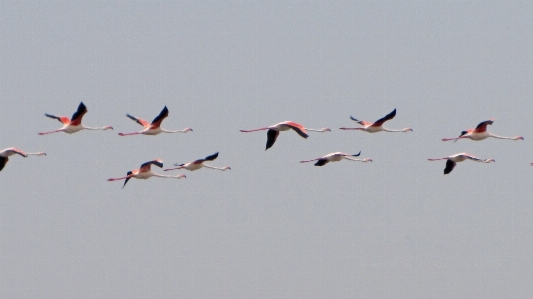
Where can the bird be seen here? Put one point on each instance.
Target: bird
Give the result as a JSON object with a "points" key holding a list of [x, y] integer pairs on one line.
{"points": [[376, 126], [145, 172], [452, 160], [334, 157], [273, 131], [74, 124], [197, 164], [5, 153], [480, 133], [155, 127]]}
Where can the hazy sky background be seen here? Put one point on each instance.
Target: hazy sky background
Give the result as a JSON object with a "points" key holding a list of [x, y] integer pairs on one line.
{"points": [[271, 227]]}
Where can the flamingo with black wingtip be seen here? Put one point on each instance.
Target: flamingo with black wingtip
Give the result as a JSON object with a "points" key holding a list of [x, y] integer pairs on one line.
{"points": [[74, 124], [153, 128], [452, 160], [4, 155], [145, 172], [273, 131], [480, 133], [197, 164], [376, 126], [335, 157]]}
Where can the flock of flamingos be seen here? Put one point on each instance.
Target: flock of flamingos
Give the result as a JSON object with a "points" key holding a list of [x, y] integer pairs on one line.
{"points": [[74, 125]]}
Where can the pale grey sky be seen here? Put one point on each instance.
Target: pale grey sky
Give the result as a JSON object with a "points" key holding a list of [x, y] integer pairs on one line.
{"points": [[271, 227]]}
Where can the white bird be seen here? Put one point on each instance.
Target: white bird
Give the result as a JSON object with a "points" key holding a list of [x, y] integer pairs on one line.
{"points": [[197, 164], [155, 127], [273, 131], [4, 155], [334, 157], [376, 126], [74, 124], [452, 160], [480, 133], [145, 172]]}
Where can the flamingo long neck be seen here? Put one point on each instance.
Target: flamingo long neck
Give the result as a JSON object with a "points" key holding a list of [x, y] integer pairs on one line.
{"points": [[96, 128], [37, 154], [176, 131], [389, 130], [503, 137], [355, 159], [128, 134], [179, 176], [316, 130], [343, 128], [260, 129], [213, 167]]}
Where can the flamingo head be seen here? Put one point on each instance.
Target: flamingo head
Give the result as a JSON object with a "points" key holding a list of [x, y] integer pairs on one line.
{"points": [[407, 130], [181, 175], [108, 128], [226, 168], [489, 160], [187, 130], [518, 138], [40, 154], [366, 160], [325, 130]]}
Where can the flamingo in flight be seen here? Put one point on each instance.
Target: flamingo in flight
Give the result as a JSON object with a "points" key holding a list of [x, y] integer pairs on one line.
{"points": [[4, 155], [376, 126], [452, 160], [334, 157], [197, 164], [155, 127], [273, 131], [74, 124], [480, 133], [145, 172]]}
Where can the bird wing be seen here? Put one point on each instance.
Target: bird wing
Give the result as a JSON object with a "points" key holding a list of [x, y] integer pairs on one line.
{"points": [[449, 166], [127, 179], [62, 119], [140, 121], [298, 128], [482, 127], [146, 166], [272, 135], [212, 157], [3, 162], [162, 115], [78, 115], [387, 117], [361, 122], [321, 162]]}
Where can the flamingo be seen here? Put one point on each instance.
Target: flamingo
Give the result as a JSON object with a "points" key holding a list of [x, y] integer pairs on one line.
{"points": [[452, 160], [145, 172], [480, 133], [334, 157], [4, 155], [273, 131], [155, 127], [376, 126], [74, 124], [197, 164]]}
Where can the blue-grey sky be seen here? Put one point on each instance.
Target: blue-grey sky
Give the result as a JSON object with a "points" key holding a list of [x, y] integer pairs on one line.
{"points": [[271, 227]]}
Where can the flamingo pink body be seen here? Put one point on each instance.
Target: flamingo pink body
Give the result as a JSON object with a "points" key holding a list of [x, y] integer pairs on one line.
{"points": [[5, 153], [451, 161], [335, 157], [197, 164], [480, 133], [153, 128], [74, 124], [273, 131], [377, 126], [145, 172]]}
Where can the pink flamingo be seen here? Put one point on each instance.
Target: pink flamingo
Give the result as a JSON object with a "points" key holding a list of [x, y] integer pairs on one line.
{"points": [[145, 172], [197, 164], [273, 131], [155, 127], [452, 160], [480, 133], [4, 155], [74, 124], [334, 157], [376, 126]]}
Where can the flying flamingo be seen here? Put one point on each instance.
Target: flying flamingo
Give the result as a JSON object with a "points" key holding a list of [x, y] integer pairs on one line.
{"points": [[376, 126], [74, 124], [480, 133], [195, 165], [452, 160], [4, 155], [155, 127], [273, 131], [145, 172], [334, 157]]}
